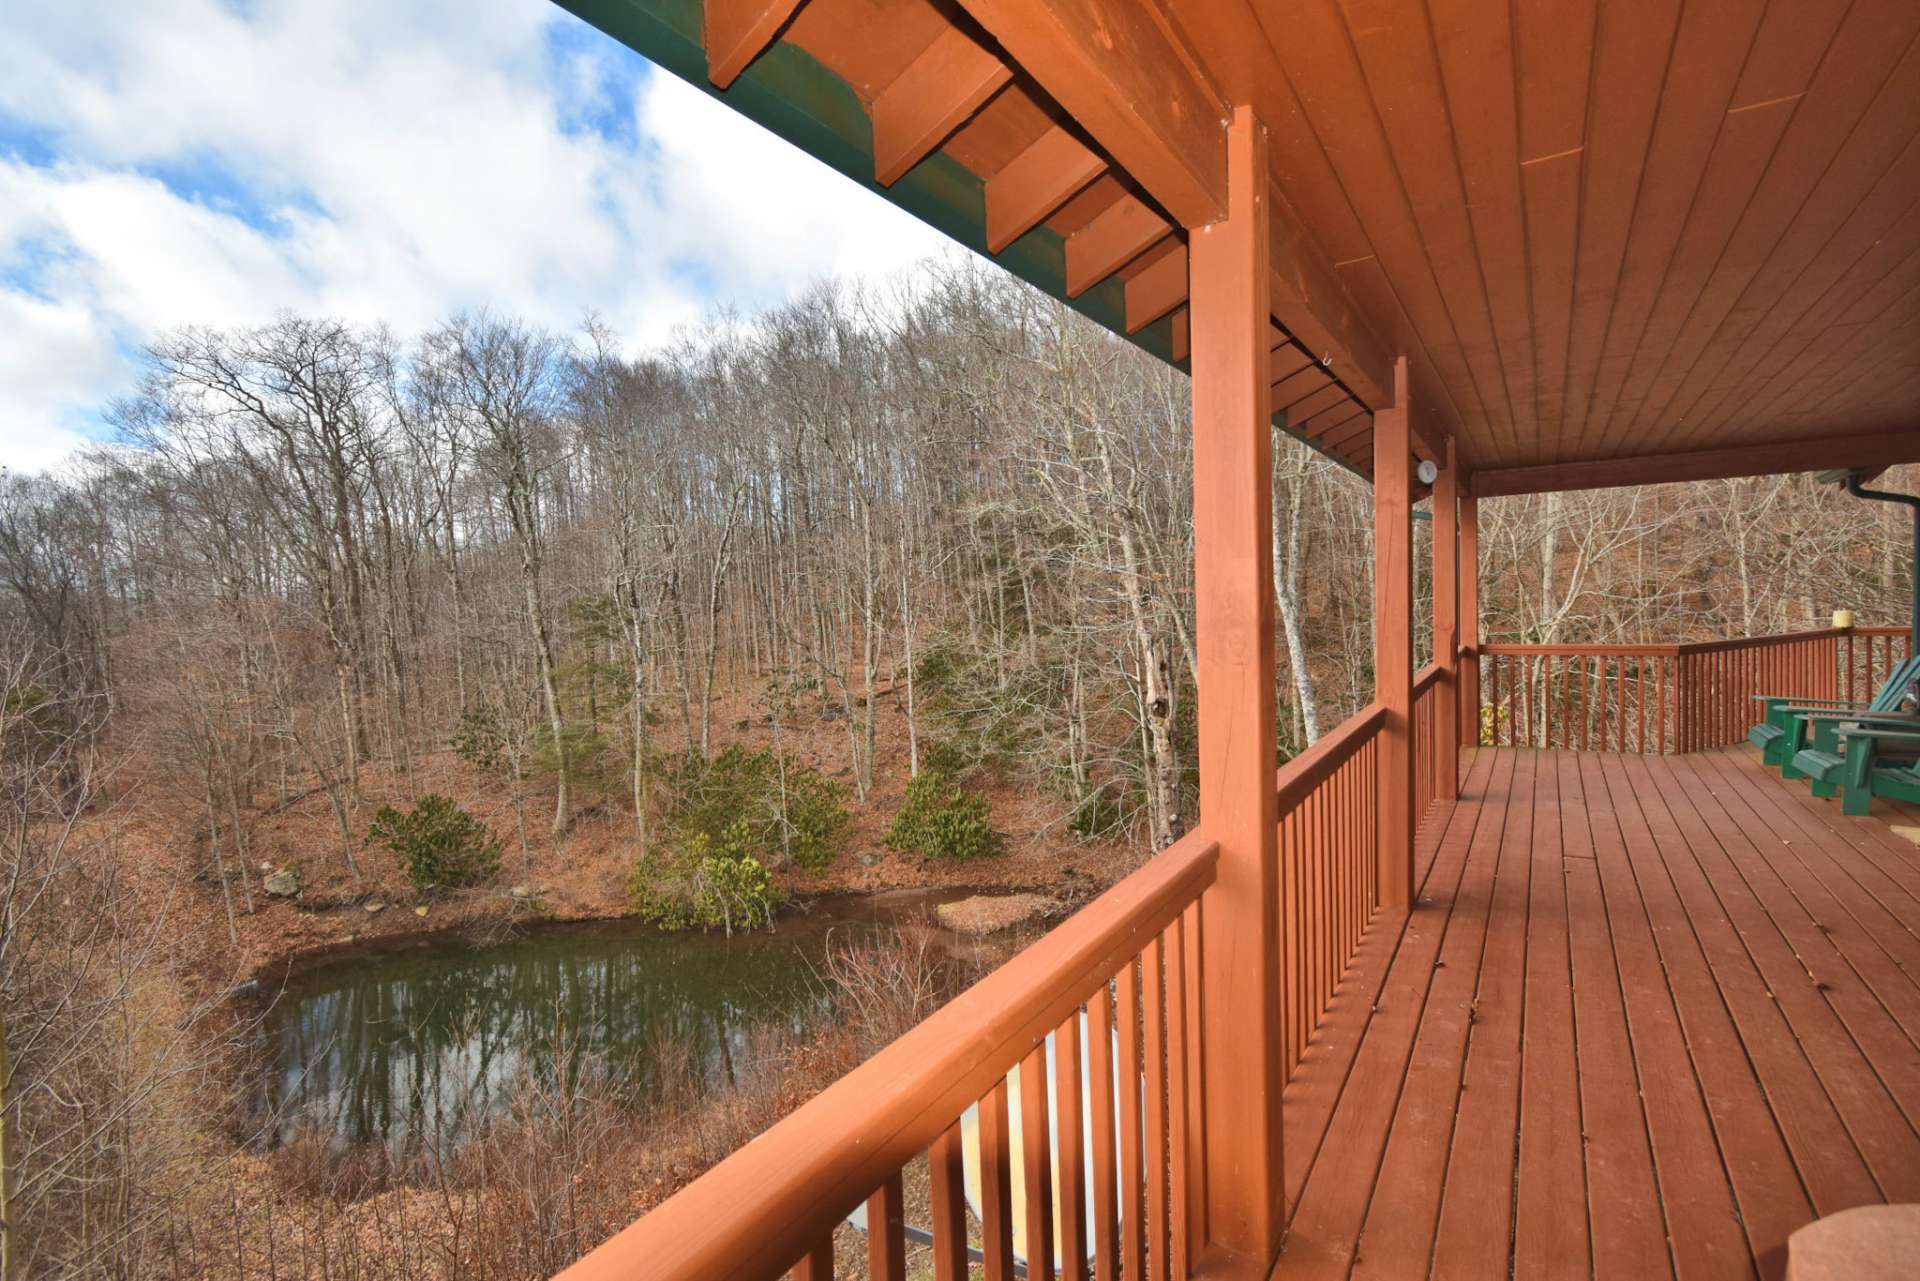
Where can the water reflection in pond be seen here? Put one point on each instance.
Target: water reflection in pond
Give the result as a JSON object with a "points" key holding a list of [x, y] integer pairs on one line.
{"points": [[417, 1042]]}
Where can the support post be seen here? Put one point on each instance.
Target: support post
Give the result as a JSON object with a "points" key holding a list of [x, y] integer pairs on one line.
{"points": [[1393, 638], [1446, 628], [1469, 616], [1234, 614]]}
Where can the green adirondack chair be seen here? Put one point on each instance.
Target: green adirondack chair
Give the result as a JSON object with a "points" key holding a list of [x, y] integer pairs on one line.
{"points": [[1878, 761], [1837, 733], [1781, 732]]}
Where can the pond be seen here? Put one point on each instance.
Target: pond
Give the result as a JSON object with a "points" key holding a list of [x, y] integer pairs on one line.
{"points": [[415, 1040]]}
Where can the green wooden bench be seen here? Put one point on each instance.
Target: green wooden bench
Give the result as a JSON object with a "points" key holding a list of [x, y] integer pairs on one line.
{"points": [[1781, 733]]}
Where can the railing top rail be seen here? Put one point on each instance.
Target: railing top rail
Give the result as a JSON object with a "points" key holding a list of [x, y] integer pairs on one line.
{"points": [[1426, 676], [759, 1210], [1310, 768], [1579, 651], [1495, 650], [1777, 638]]}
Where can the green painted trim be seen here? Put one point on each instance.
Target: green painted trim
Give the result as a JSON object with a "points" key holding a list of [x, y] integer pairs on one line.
{"points": [[791, 93]]}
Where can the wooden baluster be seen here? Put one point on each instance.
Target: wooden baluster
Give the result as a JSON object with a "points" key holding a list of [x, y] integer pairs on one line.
{"points": [[1036, 1165], [1105, 1225], [996, 1184], [1193, 1047], [1133, 1237], [1154, 1033], [887, 1232], [1640, 701], [817, 1265], [1291, 916], [1179, 1103], [1067, 1094], [947, 1181]]}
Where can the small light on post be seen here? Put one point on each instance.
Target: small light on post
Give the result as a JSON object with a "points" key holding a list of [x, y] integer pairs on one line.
{"points": [[1428, 471], [1843, 618]]}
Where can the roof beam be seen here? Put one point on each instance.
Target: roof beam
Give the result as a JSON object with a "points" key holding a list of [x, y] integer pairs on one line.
{"points": [[738, 31], [1130, 82], [934, 96], [1031, 186], [1873, 449]]}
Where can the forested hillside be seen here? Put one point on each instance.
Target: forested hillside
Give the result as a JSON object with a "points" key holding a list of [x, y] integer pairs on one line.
{"points": [[323, 547]]}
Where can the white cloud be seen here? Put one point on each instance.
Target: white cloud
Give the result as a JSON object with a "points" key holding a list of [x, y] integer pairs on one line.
{"points": [[374, 161]]}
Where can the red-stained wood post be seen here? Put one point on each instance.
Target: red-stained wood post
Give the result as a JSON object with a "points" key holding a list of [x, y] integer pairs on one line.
{"points": [[1469, 615], [1393, 637], [1446, 627], [1234, 613]]}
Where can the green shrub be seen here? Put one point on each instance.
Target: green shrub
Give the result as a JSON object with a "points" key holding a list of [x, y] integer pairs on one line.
{"points": [[441, 845], [815, 822], [808, 821], [479, 738], [710, 882], [942, 820]]}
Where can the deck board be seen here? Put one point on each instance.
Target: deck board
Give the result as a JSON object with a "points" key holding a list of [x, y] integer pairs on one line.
{"points": [[1679, 993]]}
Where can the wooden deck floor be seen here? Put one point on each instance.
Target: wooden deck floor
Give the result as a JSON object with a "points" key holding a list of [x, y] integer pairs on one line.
{"points": [[1649, 1016]]}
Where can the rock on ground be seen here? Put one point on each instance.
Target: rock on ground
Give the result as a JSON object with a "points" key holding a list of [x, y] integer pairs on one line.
{"points": [[990, 913]]}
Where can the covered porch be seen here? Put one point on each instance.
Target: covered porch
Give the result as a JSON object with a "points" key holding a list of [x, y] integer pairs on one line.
{"points": [[1647, 1017], [1523, 969]]}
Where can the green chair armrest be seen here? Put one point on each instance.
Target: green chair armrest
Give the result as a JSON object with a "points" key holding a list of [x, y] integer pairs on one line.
{"points": [[1891, 735]]}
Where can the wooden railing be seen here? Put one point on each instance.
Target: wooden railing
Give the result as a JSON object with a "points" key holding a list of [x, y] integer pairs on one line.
{"points": [[1426, 739], [1126, 969], [1328, 851], [1662, 699]]}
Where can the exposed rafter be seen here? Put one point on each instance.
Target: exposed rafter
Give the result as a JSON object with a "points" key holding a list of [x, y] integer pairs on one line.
{"points": [[934, 96], [1037, 182], [738, 31]]}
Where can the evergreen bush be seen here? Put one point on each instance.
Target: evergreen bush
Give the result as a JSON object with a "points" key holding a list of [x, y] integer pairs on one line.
{"points": [[940, 819], [440, 845]]}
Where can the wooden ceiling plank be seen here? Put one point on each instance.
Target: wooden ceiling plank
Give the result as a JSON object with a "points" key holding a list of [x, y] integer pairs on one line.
{"points": [[1117, 68], [1314, 51], [1626, 101], [738, 31], [1294, 386], [1776, 355], [1400, 69], [1158, 289], [1035, 183], [934, 96], [1285, 360], [1315, 403], [1553, 67], [1876, 449], [1820, 131], [1353, 436], [1475, 46], [1115, 238], [1320, 423], [1884, 350], [1709, 52], [1836, 226], [1780, 64]]}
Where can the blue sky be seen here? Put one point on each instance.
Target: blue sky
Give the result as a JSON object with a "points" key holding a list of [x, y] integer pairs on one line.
{"points": [[211, 162]]}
